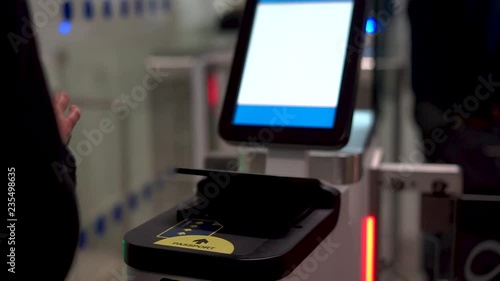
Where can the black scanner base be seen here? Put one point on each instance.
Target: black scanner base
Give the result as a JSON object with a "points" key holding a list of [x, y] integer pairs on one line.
{"points": [[255, 205], [273, 223]]}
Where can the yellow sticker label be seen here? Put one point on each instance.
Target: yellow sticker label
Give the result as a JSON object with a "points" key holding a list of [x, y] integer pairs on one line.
{"points": [[199, 242]]}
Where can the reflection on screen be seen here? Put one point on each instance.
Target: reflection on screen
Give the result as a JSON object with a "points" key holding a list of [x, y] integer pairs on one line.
{"points": [[294, 65]]}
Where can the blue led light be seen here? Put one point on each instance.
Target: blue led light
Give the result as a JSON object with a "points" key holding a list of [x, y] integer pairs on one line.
{"points": [[124, 8], [371, 26], [67, 10], [147, 192], [100, 225], [88, 9], [117, 213], [65, 27], [106, 9], [132, 201], [82, 242], [138, 7]]}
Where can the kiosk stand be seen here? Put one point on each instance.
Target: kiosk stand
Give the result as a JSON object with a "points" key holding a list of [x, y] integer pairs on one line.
{"points": [[252, 226], [346, 249], [287, 214]]}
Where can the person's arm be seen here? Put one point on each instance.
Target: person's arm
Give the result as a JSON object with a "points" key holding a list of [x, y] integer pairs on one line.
{"points": [[66, 123], [47, 232]]}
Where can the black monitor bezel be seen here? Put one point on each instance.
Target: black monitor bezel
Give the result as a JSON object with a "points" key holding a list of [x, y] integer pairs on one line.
{"points": [[335, 137]]}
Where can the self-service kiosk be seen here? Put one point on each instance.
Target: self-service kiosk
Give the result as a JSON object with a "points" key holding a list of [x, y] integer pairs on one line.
{"points": [[297, 207], [280, 218], [302, 200]]}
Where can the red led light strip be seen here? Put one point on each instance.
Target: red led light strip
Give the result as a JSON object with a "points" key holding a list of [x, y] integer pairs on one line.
{"points": [[368, 249]]}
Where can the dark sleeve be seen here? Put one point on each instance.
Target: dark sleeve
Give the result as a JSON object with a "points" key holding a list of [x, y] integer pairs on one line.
{"points": [[438, 36], [451, 46], [70, 166], [48, 227]]}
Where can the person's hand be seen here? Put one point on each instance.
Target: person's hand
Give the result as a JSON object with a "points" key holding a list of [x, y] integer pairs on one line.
{"points": [[65, 122]]}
